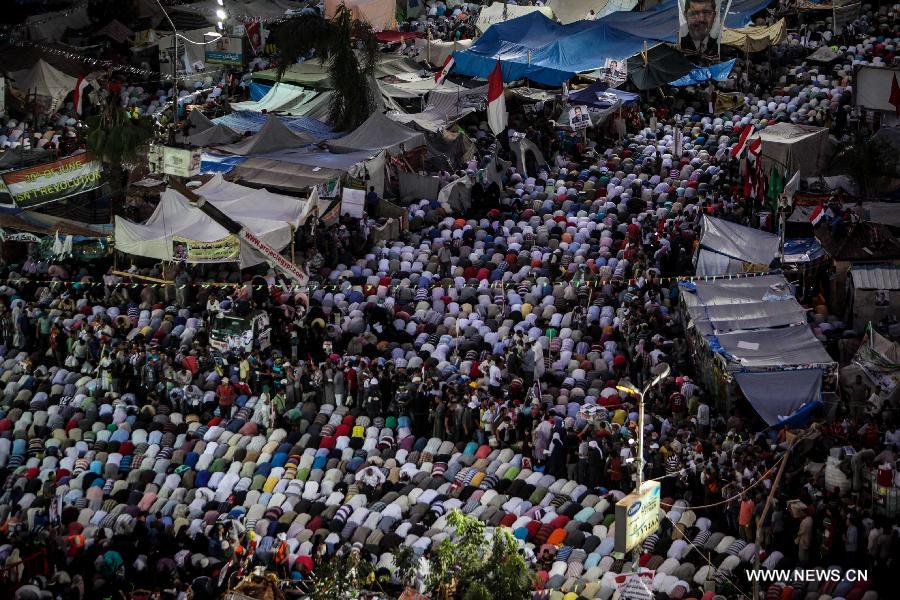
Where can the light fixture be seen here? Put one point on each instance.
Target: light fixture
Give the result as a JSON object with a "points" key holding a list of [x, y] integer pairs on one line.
{"points": [[221, 14], [628, 390], [221, 2], [212, 34], [219, 25]]}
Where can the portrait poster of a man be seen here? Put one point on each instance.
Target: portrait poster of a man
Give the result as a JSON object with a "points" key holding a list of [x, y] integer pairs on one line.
{"points": [[700, 24]]}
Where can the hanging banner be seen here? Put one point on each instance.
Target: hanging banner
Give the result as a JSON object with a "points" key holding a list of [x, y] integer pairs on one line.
{"points": [[579, 118], [728, 101], [699, 27], [194, 251], [226, 51], [22, 237], [275, 260], [637, 516], [353, 202], [844, 11], [54, 181], [254, 34]]}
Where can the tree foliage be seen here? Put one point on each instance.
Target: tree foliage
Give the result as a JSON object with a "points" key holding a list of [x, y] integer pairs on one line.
{"points": [[115, 138], [867, 161], [473, 567], [349, 49]]}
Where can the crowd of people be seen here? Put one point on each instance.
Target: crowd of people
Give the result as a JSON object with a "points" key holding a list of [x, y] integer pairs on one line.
{"points": [[475, 364]]}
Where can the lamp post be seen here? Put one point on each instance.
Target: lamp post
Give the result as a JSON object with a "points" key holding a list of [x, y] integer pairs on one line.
{"points": [[633, 391]]}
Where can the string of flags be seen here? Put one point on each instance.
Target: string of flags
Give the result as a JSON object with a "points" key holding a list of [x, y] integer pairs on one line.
{"points": [[313, 286], [103, 64]]}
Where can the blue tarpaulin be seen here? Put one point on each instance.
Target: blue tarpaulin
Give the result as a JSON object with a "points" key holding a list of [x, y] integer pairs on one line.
{"points": [[719, 72], [599, 95], [245, 120], [258, 90], [536, 48], [219, 163]]}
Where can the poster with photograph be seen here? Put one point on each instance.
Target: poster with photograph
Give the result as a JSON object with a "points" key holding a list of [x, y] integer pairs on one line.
{"points": [[615, 71], [700, 26], [579, 118], [184, 249]]}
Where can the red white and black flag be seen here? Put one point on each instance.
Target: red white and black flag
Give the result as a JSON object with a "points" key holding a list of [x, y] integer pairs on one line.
{"points": [[441, 75]]}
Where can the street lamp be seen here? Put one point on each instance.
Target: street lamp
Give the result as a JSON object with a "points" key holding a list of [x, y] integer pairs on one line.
{"points": [[633, 391]]}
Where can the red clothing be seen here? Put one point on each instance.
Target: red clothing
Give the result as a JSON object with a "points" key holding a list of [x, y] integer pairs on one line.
{"points": [[226, 394]]}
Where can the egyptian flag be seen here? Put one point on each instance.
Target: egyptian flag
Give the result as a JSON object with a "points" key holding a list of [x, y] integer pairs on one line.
{"points": [[738, 150], [441, 75], [895, 94], [496, 108], [817, 215], [80, 94]]}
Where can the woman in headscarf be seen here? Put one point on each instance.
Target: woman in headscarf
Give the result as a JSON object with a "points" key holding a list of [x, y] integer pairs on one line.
{"points": [[595, 464], [556, 460]]}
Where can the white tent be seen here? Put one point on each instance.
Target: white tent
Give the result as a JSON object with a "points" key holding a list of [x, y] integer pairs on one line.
{"points": [[378, 133], [45, 80], [268, 216], [435, 52], [569, 11], [494, 13], [273, 136], [282, 97], [727, 248]]}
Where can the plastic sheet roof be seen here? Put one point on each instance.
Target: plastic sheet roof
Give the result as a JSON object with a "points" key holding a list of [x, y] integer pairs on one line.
{"points": [[536, 48], [875, 277]]}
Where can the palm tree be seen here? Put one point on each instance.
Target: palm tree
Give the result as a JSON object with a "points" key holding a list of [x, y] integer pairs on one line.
{"points": [[332, 42], [114, 139]]}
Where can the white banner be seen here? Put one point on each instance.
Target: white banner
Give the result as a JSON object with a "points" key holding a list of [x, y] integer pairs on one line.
{"points": [[275, 260]]}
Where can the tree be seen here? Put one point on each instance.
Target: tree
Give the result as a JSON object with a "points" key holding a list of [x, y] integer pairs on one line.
{"points": [[331, 42], [115, 138], [868, 161], [471, 567]]}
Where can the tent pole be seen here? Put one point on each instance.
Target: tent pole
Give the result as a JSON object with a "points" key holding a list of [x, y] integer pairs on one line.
{"points": [[293, 237]]}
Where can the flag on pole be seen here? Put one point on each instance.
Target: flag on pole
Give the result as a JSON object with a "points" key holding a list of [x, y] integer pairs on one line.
{"points": [[441, 75], [79, 94], [496, 108], [817, 215], [738, 150], [791, 187], [895, 94]]}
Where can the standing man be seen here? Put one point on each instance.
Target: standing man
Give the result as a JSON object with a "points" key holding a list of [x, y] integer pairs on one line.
{"points": [[372, 200]]}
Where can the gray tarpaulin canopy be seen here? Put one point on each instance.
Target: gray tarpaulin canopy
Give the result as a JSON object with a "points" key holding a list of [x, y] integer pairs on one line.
{"points": [[213, 136], [777, 347], [792, 147], [718, 307], [778, 395], [445, 105], [727, 248], [378, 133], [273, 136]]}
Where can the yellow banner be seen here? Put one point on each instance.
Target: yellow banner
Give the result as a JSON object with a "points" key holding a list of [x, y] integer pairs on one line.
{"points": [[226, 249]]}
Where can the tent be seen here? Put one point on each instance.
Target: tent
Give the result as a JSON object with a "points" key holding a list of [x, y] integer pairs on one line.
{"points": [[664, 63], [244, 121], [51, 26], [793, 147], [875, 293], [717, 72], [444, 106], [601, 96], [435, 52], [877, 361], [378, 133], [198, 122], [755, 38], [44, 80], [500, 12], [569, 11], [281, 97], [751, 330], [536, 48], [448, 150], [726, 248], [273, 136], [823, 54], [216, 135], [377, 13], [268, 216]]}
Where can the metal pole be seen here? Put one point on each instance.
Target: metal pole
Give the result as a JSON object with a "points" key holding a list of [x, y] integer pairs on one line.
{"points": [[640, 469], [175, 75]]}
